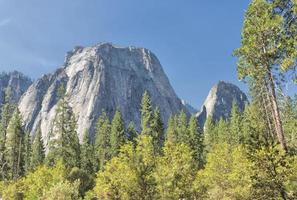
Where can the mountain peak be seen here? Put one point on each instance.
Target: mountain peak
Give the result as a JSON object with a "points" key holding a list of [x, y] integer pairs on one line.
{"points": [[219, 101]]}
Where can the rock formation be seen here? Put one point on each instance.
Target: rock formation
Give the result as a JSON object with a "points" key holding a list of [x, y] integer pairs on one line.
{"points": [[97, 78]]}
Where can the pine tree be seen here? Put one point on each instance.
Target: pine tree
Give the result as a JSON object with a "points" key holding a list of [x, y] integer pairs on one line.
{"points": [[14, 147], [157, 131], [7, 110], [182, 128], [266, 55], [196, 141], [209, 133], [146, 114], [27, 152], [38, 150], [87, 155], [171, 132], [132, 133], [102, 143], [235, 126], [117, 137], [63, 142]]}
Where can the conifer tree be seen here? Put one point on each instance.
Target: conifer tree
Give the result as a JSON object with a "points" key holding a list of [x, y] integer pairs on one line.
{"points": [[27, 152], [171, 132], [14, 147], [7, 110], [38, 150], [157, 131], [117, 137], [102, 142], [196, 141], [132, 133], [146, 114], [235, 125], [63, 141], [87, 155], [267, 54], [182, 128]]}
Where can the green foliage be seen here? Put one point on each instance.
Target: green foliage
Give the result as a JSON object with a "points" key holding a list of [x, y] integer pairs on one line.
{"points": [[102, 143], [117, 137], [63, 190], [273, 174], [131, 133], [196, 141], [63, 141], [38, 150], [7, 109], [175, 172], [82, 178], [129, 175], [27, 152], [157, 131], [14, 147], [88, 161], [226, 174], [146, 114]]}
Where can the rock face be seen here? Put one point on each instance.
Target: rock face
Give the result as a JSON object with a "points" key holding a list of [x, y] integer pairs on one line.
{"points": [[189, 108], [218, 103], [102, 77], [18, 84]]}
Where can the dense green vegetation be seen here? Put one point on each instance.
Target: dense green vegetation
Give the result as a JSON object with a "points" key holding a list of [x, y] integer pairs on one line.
{"points": [[252, 155]]}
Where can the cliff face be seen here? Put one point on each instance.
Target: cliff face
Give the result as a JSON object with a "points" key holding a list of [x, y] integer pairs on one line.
{"points": [[219, 101], [102, 77], [16, 82]]}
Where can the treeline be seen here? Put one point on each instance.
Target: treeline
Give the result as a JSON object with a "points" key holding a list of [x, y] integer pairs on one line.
{"points": [[229, 159]]}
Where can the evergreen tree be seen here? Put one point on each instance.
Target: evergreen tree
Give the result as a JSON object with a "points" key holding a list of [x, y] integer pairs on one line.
{"points": [[117, 137], [182, 128], [63, 142], [196, 141], [171, 132], [27, 152], [146, 114], [38, 150], [157, 131], [267, 54], [87, 155], [14, 147], [235, 126], [209, 134], [7, 110], [132, 133], [102, 142]]}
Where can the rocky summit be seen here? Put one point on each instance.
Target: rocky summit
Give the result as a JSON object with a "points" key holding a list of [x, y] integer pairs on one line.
{"points": [[100, 78], [219, 101], [16, 83]]}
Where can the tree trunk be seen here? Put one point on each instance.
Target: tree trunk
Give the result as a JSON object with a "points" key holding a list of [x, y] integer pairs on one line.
{"points": [[276, 113]]}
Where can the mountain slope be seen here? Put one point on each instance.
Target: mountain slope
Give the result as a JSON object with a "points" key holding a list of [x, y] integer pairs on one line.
{"points": [[102, 77], [18, 84]]}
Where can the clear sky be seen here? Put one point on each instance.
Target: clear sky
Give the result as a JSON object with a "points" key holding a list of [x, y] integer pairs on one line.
{"points": [[193, 39]]}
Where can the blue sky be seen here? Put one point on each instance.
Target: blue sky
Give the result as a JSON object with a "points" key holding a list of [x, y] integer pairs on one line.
{"points": [[193, 39]]}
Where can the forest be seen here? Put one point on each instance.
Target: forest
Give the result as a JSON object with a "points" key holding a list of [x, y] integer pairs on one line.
{"points": [[252, 155]]}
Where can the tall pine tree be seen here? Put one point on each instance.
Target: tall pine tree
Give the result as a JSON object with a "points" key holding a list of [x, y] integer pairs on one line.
{"points": [[117, 137], [63, 142], [38, 150], [146, 114], [102, 142], [14, 147]]}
